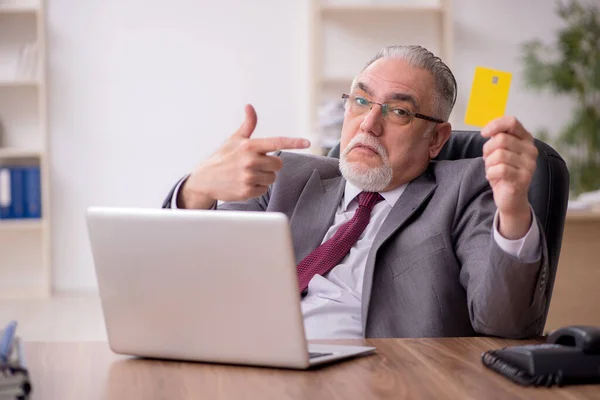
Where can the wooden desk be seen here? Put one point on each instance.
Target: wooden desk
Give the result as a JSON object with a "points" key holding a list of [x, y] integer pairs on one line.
{"points": [[401, 369], [576, 296]]}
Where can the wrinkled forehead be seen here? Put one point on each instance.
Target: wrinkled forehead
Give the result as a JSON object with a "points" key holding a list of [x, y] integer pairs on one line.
{"points": [[394, 79]]}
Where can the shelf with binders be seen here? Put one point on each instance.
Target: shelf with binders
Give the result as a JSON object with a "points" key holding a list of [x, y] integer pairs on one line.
{"points": [[22, 226], [25, 257], [20, 191]]}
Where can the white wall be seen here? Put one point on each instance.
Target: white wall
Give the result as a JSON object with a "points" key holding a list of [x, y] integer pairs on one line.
{"points": [[140, 91], [490, 33]]}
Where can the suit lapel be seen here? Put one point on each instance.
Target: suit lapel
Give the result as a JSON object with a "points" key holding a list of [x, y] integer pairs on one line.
{"points": [[415, 195], [314, 212]]}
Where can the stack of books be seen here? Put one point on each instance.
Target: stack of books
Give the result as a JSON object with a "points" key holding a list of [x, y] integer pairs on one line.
{"points": [[14, 378]]}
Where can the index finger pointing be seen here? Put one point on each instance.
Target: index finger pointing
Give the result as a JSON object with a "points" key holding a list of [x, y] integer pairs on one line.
{"points": [[266, 145], [506, 124]]}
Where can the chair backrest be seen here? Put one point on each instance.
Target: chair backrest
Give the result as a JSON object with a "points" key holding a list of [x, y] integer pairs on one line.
{"points": [[548, 192]]}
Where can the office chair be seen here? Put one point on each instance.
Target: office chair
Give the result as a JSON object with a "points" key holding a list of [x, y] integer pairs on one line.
{"points": [[548, 192]]}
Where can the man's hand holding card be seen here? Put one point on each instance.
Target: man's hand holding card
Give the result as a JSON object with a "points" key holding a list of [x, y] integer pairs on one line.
{"points": [[510, 154]]}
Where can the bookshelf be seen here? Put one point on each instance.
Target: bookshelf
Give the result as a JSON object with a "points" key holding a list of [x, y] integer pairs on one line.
{"points": [[9, 225], [14, 7], [24, 237], [345, 34], [15, 83], [371, 7]]}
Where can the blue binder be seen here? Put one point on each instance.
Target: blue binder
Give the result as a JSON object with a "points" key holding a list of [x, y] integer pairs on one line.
{"points": [[17, 187], [33, 194]]}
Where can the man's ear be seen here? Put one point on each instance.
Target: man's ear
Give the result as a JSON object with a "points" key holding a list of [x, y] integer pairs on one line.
{"points": [[438, 137]]}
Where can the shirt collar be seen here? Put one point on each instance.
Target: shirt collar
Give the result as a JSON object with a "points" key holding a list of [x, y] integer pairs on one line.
{"points": [[391, 196]]}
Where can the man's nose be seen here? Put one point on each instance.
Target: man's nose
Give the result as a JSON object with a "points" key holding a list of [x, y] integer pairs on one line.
{"points": [[373, 122]]}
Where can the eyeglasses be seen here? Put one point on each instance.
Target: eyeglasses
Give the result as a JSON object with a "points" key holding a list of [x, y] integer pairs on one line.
{"points": [[397, 115]]}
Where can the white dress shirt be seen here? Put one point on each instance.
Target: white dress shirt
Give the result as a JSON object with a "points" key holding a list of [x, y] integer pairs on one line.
{"points": [[332, 307]]}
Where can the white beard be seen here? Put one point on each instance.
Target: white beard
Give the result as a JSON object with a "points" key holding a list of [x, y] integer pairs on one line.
{"points": [[369, 179]]}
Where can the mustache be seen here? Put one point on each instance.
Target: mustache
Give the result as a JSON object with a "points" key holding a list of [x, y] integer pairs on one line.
{"points": [[366, 140]]}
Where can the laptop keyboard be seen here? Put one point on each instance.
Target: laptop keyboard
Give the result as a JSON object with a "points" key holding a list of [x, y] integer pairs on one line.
{"points": [[315, 355]]}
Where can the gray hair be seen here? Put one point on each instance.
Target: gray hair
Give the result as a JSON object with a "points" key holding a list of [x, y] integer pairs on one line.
{"points": [[444, 95]]}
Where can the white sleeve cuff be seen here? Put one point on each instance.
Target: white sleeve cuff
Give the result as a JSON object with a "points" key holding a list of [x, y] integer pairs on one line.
{"points": [[526, 249]]}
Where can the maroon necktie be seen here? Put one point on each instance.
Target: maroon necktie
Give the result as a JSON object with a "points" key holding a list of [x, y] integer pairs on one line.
{"points": [[329, 254]]}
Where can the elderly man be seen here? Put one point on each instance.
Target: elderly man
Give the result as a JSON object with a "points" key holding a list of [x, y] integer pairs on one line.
{"points": [[388, 242]]}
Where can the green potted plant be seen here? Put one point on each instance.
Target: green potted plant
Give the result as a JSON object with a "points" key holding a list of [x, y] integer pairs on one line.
{"points": [[571, 66]]}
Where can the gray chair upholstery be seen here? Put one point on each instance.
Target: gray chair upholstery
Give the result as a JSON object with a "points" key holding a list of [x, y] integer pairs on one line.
{"points": [[548, 192]]}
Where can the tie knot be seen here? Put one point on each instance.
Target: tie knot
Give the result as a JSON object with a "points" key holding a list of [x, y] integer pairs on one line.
{"points": [[369, 199]]}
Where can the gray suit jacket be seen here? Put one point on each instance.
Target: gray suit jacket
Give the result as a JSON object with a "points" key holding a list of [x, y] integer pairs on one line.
{"points": [[434, 268]]}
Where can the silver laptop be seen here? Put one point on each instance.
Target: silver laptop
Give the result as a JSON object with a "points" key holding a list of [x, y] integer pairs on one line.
{"points": [[210, 286]]}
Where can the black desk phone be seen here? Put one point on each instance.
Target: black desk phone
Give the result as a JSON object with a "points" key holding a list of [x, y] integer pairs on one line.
{"points": [[571, 355]]}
